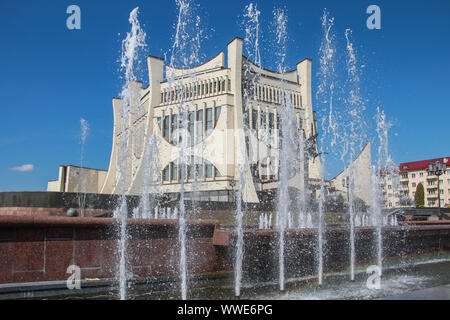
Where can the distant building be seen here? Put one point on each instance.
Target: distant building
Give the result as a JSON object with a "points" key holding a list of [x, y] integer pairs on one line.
{"points": [[400, 188], [77, 179]]}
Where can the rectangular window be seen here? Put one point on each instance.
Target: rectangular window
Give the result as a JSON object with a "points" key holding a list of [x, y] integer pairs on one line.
{"points": [[166, 129], [209, 120], [191, 123], [271, 118], [190, 170], [254, 170], [173, 129], [413, 175], [246, 116], [421, 174], [224, 196], [255, 119], [166, 174], [280, 134], [208, 172], [217, 111], [199, 171], [214, 196], [199, 124], [188, 173], [174, 171], [262, 121]]}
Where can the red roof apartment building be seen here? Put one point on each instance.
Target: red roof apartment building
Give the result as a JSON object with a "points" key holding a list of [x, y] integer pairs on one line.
{"points": [[413, 173]]}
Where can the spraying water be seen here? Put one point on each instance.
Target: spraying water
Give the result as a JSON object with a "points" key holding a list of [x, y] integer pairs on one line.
{"points": [[84, 128], [251, 45], [240, 235], [302, 203], [134, 41], [356, 135], [288, 143], [325, 94], [185, 54], [152, 180], [386, 170], [377, 218]]}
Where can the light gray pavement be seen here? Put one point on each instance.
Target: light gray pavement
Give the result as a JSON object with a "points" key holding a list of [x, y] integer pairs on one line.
{"points": [[436, 293]]}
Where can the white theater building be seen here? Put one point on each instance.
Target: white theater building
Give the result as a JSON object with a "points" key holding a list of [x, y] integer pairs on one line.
{"points": [[212, 94]]}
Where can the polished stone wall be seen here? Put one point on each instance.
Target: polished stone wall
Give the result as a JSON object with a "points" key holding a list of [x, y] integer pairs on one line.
{"points": [[41, 248]]}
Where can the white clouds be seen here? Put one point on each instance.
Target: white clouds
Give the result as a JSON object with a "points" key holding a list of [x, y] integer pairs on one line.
{"points": [[23, 168]]}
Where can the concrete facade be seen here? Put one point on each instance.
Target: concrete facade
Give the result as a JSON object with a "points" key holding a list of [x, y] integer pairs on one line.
{"points": [[410, 174], [212, 95], [77, 179], [362, 177]]}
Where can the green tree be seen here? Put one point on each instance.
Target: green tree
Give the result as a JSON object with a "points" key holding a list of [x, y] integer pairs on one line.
{"points": [[419, 197], [359, 205]]}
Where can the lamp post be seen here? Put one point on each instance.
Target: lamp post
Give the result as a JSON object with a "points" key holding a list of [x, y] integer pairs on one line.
{"points": [[346, 184], [437, 168]]}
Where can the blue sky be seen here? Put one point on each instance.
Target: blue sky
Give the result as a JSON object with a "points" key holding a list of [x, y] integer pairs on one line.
{"points": [[50, 76]]}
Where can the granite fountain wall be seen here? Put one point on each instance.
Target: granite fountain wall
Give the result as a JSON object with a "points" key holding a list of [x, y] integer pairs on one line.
{"points": [[34, 248]]}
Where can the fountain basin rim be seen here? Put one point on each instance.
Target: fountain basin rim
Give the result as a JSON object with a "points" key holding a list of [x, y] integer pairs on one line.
{"points": [[338, 230], [6, 221]]}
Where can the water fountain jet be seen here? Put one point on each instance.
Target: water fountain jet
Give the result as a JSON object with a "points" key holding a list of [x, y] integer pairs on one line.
{"points": [[134, 41], [84, 126]]}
